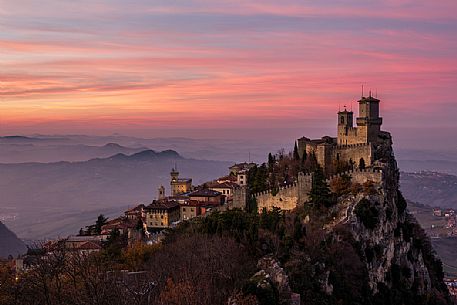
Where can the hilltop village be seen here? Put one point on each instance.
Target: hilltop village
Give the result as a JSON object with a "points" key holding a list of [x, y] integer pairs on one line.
{"points": [[323, 224]]}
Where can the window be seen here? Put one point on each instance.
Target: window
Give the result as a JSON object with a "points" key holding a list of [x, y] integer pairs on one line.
{"points": [[183, 209]]}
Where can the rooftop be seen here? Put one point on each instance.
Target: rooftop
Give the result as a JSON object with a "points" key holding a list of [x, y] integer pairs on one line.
{"points": [[162, 205], [205, 193]]}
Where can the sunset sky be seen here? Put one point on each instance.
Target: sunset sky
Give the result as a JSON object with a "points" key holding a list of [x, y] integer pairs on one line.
{"points": [[226, 68]]}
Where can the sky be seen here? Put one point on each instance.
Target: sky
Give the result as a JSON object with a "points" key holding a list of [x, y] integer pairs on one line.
{"points": [[227, 68]]}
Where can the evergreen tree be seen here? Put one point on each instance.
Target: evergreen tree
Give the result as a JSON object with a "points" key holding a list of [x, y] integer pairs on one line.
{"points": [[101, 221], [362, 163], [320, 193], [271, 161]]}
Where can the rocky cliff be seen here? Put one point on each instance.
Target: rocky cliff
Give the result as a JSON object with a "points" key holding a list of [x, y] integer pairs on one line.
{"points": [[362, 247]]}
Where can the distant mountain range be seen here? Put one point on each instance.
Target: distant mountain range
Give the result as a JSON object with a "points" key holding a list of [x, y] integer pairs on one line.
{"points": [[51, 199], [25, 149], [10, 244]]}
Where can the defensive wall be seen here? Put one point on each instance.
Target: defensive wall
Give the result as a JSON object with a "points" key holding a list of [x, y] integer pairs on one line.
{"points": [[354, 152], [289, 197]]}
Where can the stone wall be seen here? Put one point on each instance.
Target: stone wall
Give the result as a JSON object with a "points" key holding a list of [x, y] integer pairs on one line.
{"points": [[362, 176], [354, 152], [240, 195], [288, 197]]}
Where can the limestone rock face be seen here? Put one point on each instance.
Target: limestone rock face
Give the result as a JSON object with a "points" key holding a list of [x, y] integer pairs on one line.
{"points": [[379, 222]]}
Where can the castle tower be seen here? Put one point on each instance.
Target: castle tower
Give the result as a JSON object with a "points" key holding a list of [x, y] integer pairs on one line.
{"points": [[369, 122], [345, 126], [161, 193], [174, 175], [179, 185]]}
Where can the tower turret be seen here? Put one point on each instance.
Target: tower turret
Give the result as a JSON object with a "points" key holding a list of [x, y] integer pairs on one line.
{"points": [[174, 175], [345, 126], [369, 122]]}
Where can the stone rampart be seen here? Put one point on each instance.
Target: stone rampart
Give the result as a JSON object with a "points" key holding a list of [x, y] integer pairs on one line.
{"points": [[361, 176], [290, 196], [287, 197], [354, 152]]}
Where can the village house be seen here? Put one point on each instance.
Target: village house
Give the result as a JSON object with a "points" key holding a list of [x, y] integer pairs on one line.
{"points": [[225, 188], [161, 214], [207, 196]]}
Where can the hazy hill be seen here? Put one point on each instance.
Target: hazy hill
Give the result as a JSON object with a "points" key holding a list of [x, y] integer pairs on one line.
{"points": [[51, 199], [9, 243], [45, 148], [25, 149], [430, 188]]}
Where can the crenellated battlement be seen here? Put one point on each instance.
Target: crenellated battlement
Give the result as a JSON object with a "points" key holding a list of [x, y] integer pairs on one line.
{"points": [[349, 146], [285, 187]]}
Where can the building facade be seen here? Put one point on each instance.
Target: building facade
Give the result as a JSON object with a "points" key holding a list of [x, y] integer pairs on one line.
{"points": [[162, 214], [179, 185]]}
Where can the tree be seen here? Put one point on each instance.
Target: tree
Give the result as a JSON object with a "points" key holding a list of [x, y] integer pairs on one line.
{"points": [[271, 162], [320, 193], [101, 221], [362, 163]]}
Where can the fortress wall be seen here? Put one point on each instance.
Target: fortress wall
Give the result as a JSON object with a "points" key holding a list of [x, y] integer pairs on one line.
{"points": [[286, 199], [348, 136], [354, 152], [239, 198], [305, 182], [362, 176]]}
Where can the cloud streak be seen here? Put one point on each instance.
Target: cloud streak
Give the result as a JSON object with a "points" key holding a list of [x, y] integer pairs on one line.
{"points": [[197, 64]]}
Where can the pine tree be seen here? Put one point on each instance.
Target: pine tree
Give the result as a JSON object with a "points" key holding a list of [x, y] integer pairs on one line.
{"points": [[362, 163], [320, 193], [101, 221]]}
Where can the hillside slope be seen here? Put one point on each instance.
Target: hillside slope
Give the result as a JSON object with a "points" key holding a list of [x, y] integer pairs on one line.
{"points": [[9, 243], [55, 199]]}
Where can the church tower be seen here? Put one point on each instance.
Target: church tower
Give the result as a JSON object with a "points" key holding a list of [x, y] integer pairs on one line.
{"points": [[369, 122]]}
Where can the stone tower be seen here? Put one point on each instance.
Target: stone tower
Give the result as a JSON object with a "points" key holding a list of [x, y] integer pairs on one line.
{"points": [[345, 126], [161, 193], [174, 175], [369, 122]]}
